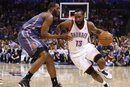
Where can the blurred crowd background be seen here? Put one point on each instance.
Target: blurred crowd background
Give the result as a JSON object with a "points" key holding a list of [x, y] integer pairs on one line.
{"points": [[109, 15]]}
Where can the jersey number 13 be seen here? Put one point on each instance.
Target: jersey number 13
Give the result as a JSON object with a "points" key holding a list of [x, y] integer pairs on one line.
{"points": [[78, 43]]}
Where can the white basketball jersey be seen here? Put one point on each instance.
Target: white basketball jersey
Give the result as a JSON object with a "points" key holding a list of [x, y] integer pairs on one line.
{"points": [[80, 37]]}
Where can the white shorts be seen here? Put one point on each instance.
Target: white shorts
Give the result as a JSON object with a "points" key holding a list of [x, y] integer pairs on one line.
{"points": [[82, 58]]}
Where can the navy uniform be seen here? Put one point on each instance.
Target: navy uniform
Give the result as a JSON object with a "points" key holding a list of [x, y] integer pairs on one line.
{"points": [[29, 36]]}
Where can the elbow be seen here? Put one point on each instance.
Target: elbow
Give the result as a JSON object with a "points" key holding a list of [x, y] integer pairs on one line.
{"points": [[98, 32]]}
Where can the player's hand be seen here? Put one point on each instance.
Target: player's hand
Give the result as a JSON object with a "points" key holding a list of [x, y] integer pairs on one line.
{"points": [[65, 37]]}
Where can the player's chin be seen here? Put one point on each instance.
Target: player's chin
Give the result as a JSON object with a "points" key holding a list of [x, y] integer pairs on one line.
{"points": [[78, 22], [57, 14]]}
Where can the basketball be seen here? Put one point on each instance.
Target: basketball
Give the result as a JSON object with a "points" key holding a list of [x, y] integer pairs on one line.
{"points": [[105, 38]]}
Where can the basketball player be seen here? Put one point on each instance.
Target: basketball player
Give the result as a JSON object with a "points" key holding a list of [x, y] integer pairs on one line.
{"points": [[81, 50], [30, 38]]}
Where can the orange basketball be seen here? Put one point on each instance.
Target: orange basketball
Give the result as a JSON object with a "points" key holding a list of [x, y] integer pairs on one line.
{"points": [[105, 38]]}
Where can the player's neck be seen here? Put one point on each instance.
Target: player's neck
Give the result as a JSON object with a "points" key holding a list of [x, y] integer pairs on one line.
{"points": [[50, 11]]}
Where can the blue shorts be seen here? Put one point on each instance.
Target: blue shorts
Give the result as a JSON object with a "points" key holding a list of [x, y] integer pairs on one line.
{"points": [[32, 43]]}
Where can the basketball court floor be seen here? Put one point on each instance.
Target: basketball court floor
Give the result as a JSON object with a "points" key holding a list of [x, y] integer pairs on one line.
{"points": [[68, 75]]}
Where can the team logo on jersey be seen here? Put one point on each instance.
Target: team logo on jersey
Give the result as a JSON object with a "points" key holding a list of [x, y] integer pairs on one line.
{"points": [[33, 45]]}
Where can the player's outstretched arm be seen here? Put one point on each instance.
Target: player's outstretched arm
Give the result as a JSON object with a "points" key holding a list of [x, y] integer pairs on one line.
{"points": [[45, 28]]}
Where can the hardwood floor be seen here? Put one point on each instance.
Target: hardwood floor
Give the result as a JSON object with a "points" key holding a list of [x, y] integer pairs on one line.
{"points": [[68, 76]]}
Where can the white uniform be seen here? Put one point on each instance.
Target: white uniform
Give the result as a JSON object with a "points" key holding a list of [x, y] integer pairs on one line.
{"points": [[81, 51]]}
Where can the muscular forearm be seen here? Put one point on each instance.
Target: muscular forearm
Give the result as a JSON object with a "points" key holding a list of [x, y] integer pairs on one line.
{"points": [[61, 43], [50, 36]]}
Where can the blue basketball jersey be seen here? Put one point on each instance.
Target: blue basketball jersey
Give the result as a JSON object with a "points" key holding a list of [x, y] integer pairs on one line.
{"points": [[34, 24], [29, 38]]}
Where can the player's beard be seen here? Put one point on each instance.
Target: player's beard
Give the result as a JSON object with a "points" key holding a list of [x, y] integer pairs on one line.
{"points": [[55, 13], [80, 23]]}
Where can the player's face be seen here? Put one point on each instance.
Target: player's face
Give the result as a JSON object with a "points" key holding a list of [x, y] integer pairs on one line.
{"points": [[56, 10], [79, 17]]}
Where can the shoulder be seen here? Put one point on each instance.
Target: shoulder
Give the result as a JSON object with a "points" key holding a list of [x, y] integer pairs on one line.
{"points": [[90, 23], [47, 15], [67, 23]]}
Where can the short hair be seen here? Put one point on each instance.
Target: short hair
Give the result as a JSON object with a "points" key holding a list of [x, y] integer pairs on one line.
{"points": [[80, 10], [51, 5]]}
